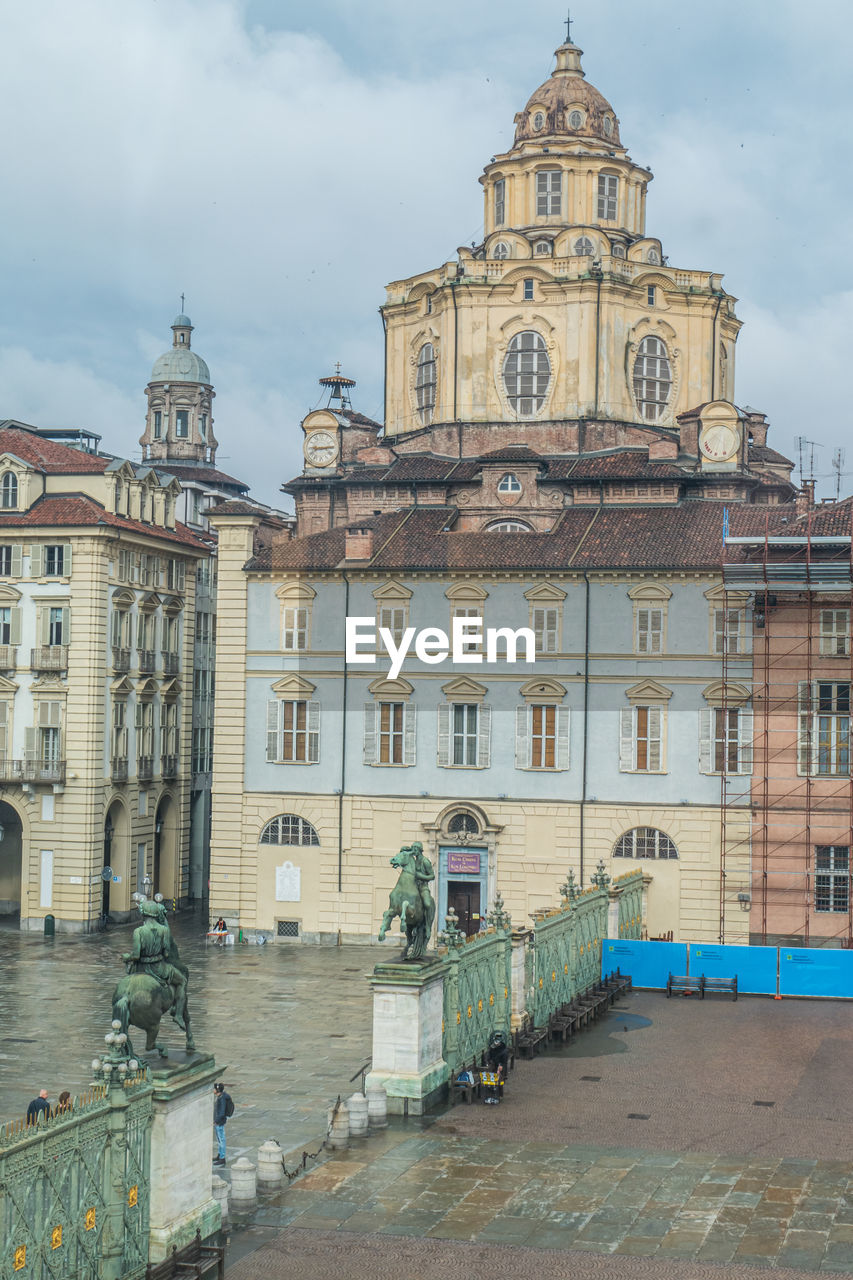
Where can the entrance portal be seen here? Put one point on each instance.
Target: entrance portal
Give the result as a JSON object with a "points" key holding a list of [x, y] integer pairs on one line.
{"points": [[11, 849], [464, 898]]}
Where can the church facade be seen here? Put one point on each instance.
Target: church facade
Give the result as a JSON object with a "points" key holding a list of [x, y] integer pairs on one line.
{"points": [[559, 460]]}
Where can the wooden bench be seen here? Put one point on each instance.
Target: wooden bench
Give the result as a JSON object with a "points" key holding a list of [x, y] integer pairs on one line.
{"points": [[619, 981], [721, 985], [685, 984], [563, 1023], [530, 1040], [192, 1262], [465, 1089]]}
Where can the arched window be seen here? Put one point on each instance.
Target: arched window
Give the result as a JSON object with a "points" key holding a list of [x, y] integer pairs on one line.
{"points": [[288, 828], [644, 842], [542, 248], [652, 378], [538, 121], [618, 251], [501, 250], [509, 484], [575, 119], [464, 822], [425, 383], [9, 490], [583, 248], [508, 526], [527, 372]]}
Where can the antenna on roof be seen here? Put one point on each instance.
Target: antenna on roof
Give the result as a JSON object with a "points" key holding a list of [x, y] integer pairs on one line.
{"points": [[805, 454], [838, 467], [339, 388]]}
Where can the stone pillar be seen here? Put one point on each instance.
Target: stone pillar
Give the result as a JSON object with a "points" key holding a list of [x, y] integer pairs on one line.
{"points": [[182, 1201], [270, 1171], [408, 1006], [519, 977], [614, 893]]}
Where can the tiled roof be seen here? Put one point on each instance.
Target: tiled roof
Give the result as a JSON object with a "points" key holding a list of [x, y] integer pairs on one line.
{"points": [[763, 453], [49, 455], [627, 464], [512, 453], [205, 475], [73, 510], [686, 537]]}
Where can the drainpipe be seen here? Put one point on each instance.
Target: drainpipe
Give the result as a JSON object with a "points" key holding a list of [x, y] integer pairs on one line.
{"points": [[714, 348], [343, 754], [585, 719]]}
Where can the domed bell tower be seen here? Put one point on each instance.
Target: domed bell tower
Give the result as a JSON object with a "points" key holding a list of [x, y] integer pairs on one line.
{"points": [[179, 423]]}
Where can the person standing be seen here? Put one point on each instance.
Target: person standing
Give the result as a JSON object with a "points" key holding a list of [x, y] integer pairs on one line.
{"points": [[223, 1107], [37, 1106]]}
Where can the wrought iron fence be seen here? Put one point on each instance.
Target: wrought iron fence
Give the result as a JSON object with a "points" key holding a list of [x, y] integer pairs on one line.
{"points": [[630, 904], [477, 991], [567, 950]]}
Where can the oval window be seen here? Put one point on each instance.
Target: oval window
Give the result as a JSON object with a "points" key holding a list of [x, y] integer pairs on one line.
{"points": [[538, 121], [584, 248], [425, 383], [652, 378], [608, 125], [526, 372], [575, 119]]}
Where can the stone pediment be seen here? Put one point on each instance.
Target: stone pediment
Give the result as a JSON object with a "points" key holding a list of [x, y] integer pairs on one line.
{"points": [[466, 591], [146, 688], [294, 686], [121, 687], [463, 689], [545, 593], [9, 594], [650, 591], [648, 691], [719, 693], [7, 686], [392, 591], [170, 689], [543, 690], [391, 689]]}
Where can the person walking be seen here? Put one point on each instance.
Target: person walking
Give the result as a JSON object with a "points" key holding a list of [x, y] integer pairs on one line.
{"points": [[37, 1106], [223, 1107]]}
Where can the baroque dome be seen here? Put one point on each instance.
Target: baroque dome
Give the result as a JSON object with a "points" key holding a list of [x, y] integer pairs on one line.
{"points": [[180, 364], [568, 105]]}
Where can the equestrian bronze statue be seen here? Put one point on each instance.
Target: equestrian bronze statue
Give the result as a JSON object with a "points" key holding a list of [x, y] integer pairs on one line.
{"points": [[411, 900], [156, 983]]}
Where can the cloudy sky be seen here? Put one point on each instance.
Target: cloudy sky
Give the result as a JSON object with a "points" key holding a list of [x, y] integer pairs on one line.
{"points": [[279, 163]]}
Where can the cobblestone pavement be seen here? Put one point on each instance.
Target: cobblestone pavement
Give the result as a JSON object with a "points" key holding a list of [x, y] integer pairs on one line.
{"points": [[288, 1024]]}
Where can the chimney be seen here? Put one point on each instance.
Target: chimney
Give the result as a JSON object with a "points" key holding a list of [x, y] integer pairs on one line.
{"points": [[805, 498], [358, 543]]}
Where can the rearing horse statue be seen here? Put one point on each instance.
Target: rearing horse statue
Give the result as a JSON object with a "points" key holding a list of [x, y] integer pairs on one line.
{"points": [[411, 900]]}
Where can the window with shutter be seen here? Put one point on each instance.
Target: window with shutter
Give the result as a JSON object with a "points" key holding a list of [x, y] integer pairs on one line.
{"points": [[393, 618], [727, 630], [549, 192], [608, 190], [546, 628], [273, 730], [834, 633], [649, 634], [443, 751], [626, 740], [5, 720], [806, 736], [500, 202], [645, 725], [832, 729], [371, 715], [294, 628], [471, 644], [36, 560], [465, 733]]}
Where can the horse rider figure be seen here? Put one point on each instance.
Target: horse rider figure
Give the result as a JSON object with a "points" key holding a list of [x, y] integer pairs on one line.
{"points": [[155, 951], [424, 873]]}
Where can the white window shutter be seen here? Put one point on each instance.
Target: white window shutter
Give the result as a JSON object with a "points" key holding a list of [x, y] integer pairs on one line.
{"points": [[807, 735], [484, 737], [371, 711], [273, 720], [36, 560], [17, 561], [410, 718], [44, 625], [66, 559], [443, 755], [563, 716], [626, 740], [655, 722], [15, 625], [49, 714], [66, 626], [706, 739], [4, 729], [744, 740], [522, 737], [30, 742], [313, 733]]}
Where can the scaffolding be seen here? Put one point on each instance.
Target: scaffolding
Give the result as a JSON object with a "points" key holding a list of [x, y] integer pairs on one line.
{"points": [[794, 587]]}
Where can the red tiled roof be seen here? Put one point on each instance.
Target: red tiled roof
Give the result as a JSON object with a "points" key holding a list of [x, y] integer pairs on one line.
{"points": [[206, 475], [49, 455], [628, 464], [70, 510], [512, 453]]}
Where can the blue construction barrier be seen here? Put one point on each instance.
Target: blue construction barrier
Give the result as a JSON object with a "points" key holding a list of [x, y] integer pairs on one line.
{"points": [[648, 963], [755, 966], [812, 971]]}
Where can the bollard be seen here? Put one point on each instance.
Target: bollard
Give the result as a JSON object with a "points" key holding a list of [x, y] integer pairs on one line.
{"points": [[49, 926], [244, 1182], [377, 1109], [270, 1171], [339, 1120], [357, 1108], [219, 1191]]}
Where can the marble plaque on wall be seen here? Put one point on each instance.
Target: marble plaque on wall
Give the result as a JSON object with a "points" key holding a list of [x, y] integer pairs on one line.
{"points": [[288, 886]]}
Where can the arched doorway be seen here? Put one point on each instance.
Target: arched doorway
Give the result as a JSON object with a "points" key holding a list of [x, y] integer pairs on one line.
{"points": [[11, 859], [115, 889], [165, 872]]}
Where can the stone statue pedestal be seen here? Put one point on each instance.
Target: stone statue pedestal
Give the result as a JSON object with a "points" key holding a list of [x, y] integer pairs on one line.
{"points": [[182, 1201], [408, 1006]]}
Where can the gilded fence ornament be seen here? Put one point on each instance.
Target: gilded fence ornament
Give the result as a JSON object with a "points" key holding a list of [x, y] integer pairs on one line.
{"points": [[571, 890], [156, 983], [411, 900], [601, 879]]}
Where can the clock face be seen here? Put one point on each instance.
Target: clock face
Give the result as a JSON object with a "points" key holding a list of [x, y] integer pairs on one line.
{"points": [[321, 448], [719, 442]]}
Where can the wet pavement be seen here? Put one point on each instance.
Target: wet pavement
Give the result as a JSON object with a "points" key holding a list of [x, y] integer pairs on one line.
{"points": [[288, 1024], [674, 1139]]}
